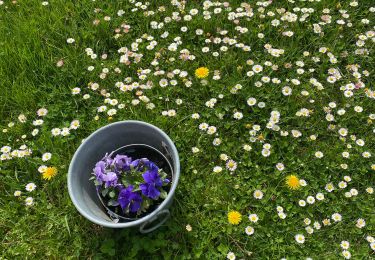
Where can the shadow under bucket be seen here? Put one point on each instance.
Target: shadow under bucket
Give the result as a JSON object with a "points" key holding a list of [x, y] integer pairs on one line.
{"points": [[109, 138]]}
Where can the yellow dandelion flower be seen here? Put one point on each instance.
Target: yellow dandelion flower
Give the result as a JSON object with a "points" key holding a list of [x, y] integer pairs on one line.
{"points": [[292, 182], [234, 217], [202, 72], [49, 173]]}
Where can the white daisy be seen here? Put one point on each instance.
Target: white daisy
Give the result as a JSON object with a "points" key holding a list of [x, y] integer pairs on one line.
{"points": [[231, 256], [300, 238], [310, 200], [30, 186], [336, 217], [344, 244], [346, 254], [56, 131], [258, 194], [29, 201], [249, 230], [46, 157], [70, 40], [360, 223], [217, 169], [253, 218]]}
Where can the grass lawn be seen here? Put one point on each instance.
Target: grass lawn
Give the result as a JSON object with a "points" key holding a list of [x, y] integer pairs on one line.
{"points": [[276, 139]]}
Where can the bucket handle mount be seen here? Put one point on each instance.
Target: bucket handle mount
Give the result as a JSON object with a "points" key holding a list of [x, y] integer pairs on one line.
{"points": [[162, 216]]}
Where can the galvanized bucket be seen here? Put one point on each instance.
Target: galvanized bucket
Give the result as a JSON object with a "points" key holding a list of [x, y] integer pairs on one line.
{"points": [[82, 191]]}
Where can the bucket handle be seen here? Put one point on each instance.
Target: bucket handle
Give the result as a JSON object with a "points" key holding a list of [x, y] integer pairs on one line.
{"points": [[161, 222]]}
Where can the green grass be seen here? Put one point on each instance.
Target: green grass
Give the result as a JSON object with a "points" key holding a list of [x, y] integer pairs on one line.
{"points": [[33, 39]]}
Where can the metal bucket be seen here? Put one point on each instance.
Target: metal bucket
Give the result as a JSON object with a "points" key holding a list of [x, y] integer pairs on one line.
{"points": [[82, 191]]}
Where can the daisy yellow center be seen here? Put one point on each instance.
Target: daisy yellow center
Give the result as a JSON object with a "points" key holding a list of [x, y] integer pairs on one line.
{"points": [[49, 173], [292, 182], [202, 72], [234, 217]]}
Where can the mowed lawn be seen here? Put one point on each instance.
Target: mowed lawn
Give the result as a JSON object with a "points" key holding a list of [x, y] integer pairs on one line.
{"points": [[271, 105]]}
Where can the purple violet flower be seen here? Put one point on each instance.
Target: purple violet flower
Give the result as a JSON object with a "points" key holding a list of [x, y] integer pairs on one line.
{"points": [[107, 159], [152, 184], [122, 162], [144, 162], [128, 198], [110, 179], [99, 171], [151, 166], [108, 173], [135, 163]]}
